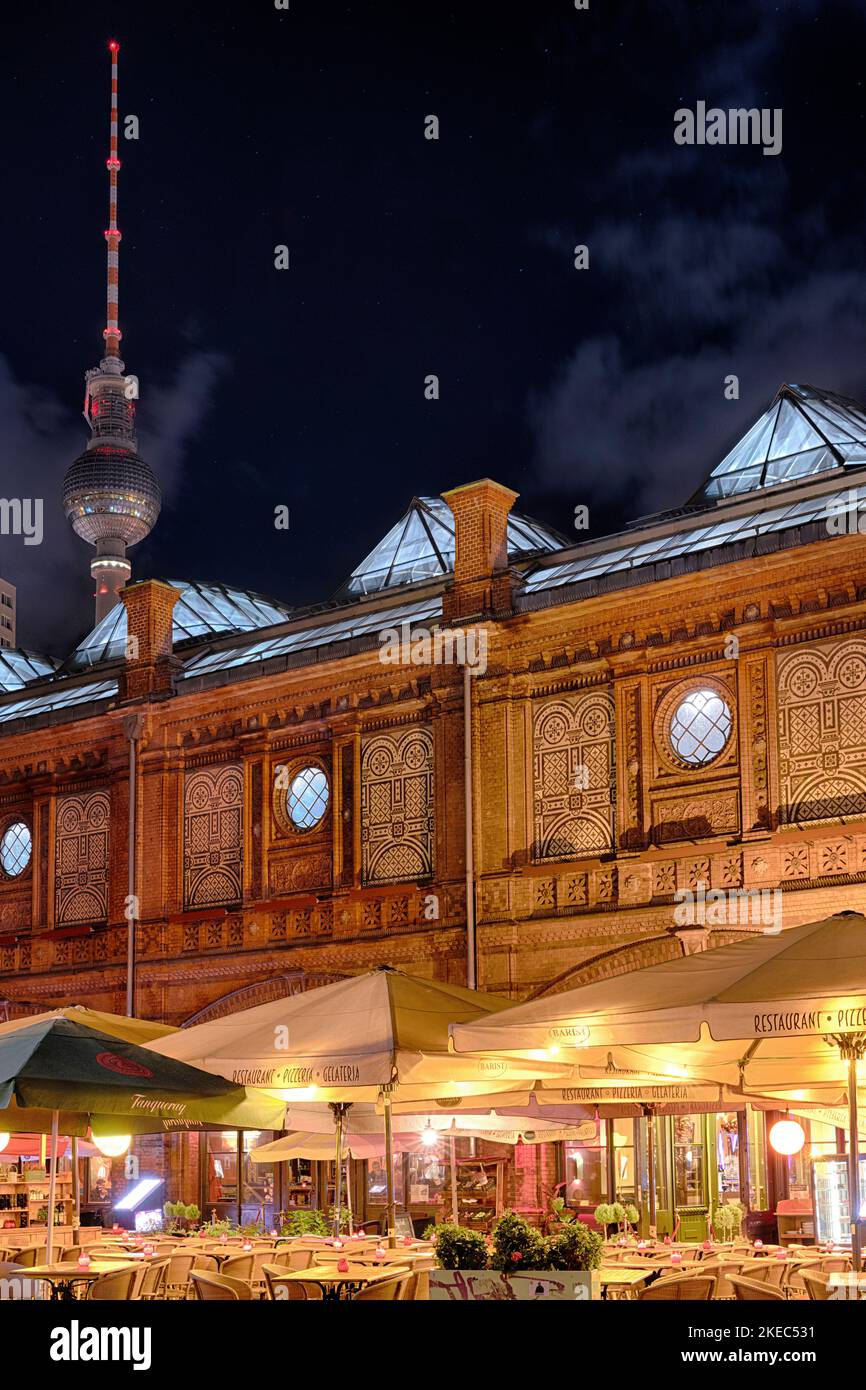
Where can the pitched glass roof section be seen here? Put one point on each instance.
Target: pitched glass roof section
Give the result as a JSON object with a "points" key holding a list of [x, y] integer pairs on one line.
{"points": [[203, 610], [18, 667], [345, 629], [805, 431], [54, 697], [760, 521], [421, 546]]}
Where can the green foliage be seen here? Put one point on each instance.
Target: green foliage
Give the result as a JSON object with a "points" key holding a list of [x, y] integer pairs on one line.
{"points": [[516, 1245], [179, 1214], [577, 1247], [215, 1229], [604, 1214], [459, 1248], [305, 1222], [728, 1217], [252, 1229], [632, 1215]]}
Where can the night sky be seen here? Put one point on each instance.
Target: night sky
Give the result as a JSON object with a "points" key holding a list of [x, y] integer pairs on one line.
{"points": [[409, 256]]}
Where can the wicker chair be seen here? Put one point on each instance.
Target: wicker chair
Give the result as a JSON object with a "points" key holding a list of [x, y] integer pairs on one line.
{"points": [[176, 1283], [293, 1259], [281, 1290], [239, 1267], [385, 1289], [218, 1288], [206, 1264], [30, 1255], [121, 1285], [751, 1291], [759, 1271], [694, 1287], [70, 1254], [817, 1283], [153, 1281]]}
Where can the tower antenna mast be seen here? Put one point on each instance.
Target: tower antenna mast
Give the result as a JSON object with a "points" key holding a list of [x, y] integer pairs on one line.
{"points": [[110, 495], [112, 333]]}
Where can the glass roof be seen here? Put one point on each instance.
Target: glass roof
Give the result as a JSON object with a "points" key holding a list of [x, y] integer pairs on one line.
{"points": [[805, 431], [203, 610], [351, 625], [57, 696], [17, 667], [421, 546], [762, 521]]}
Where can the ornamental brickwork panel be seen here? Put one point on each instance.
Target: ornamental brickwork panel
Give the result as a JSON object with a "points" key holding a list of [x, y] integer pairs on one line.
{"points": [[397, 822], [573, 754], [81, 858], [822, 731], [213, 835]]}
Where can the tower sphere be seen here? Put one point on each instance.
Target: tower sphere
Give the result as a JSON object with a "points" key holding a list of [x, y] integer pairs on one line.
{"points": [[110, 493]]}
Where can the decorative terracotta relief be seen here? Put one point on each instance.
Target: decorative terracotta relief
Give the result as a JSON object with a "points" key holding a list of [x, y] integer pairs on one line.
{"points": [[822, 731], [213, 834], [688, 818], [81, 858], [397, 824], [572, 775]]}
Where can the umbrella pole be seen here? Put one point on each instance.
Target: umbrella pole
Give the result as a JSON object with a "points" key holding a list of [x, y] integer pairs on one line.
{"points": [[649, 1113], [349, 1190], [338, 1167], [391, 1220], [850, 1051], [239, 1163], [76, 1186], [452, 1156], [52, 1185]]}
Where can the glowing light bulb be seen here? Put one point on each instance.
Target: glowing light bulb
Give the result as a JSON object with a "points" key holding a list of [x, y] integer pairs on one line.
{"points": [[787, 1137], [553, 1050], [112, 1145], [429, 1137]]}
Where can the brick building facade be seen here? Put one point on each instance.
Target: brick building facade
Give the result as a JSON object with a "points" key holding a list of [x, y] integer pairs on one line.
{"points": [[679, 707]]}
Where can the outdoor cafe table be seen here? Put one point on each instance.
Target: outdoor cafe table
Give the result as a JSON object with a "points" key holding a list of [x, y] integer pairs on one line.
{"points": [[334, 1284], [61, 1277], [628, 1281]]}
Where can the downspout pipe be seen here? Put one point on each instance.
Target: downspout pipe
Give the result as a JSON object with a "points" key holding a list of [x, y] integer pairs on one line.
{"points": [[132, 726], [471, 953]]}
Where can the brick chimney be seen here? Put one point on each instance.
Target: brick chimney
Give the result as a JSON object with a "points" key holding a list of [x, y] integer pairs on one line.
{"points": [[148, 667], [482, 584]]}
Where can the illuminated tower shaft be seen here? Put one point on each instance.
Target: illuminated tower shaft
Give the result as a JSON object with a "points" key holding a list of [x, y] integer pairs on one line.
{"points": [[112, 330], [110, 495]]}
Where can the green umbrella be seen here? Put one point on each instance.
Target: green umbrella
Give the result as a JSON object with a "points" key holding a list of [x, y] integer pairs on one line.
{"points": [[61, 1064]]}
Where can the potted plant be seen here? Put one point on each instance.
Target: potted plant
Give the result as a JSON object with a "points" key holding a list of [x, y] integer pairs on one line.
{"points": [[305, 1221], [728, 1219], [631, 1216], [180, 1215], [457, 1247], [610, 1216], [521, 1263]]}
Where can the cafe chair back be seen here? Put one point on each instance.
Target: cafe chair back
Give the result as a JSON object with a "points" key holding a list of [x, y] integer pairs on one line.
{"points": [[751, 1291], [385, 1289], [219, 1288], [695, 1288], [119, 1285]]}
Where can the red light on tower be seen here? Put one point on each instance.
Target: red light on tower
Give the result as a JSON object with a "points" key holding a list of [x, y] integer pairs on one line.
{"points": [[114, 46]]}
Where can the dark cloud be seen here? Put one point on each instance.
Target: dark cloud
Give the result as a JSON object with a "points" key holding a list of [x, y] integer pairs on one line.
{"points": [[39, 437]]}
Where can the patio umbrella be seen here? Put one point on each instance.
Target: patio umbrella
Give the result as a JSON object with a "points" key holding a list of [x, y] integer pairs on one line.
{"points": [[377, 1034], [775, 1013], [60, 1063]]}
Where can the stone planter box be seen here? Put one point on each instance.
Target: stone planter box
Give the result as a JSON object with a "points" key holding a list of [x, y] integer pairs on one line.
{"points": [[483, 1285]]}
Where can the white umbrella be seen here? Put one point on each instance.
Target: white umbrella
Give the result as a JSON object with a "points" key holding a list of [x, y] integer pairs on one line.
{"points": [[773, 1012], [378, 1034]]}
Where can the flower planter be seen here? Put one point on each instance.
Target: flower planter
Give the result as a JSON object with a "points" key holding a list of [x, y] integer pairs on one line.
{"points": [[483, 1285]]}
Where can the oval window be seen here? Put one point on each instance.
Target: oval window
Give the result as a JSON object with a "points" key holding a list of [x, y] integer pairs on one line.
{"points": [[308, 798], [16, 847], [701, 727]]}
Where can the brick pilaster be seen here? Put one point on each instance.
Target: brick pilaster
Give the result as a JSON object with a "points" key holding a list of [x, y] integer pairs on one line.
{"points": [[482, 584], [148, 667]]}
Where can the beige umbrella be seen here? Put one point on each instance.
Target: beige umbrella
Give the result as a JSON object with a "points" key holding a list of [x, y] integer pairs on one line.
{"points": [[374, 1035], [774, 1012]]}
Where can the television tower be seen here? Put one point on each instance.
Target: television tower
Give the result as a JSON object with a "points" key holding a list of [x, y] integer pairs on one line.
{"points": [[111, 497]]}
